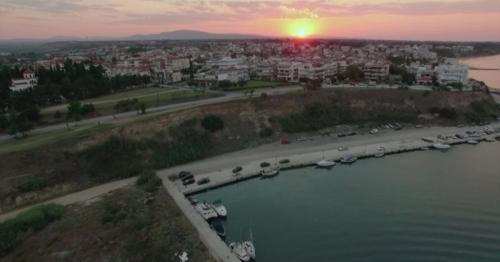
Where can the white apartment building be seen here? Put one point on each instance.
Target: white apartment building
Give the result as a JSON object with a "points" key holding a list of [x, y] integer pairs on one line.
{"points": [[29, 80], [452, 72], [288, 71], [375, 71]]}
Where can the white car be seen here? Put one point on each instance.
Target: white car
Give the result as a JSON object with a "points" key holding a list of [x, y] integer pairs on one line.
{"points": [[374, 131]]}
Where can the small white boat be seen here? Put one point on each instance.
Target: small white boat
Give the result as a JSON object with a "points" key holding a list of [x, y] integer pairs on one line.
{"points": [[326, 163], [249, 248], [270, 172], [380, 152], [472, 142], [348, 159], [219, 208], [205, 210], [441, 146], [240, 251]]}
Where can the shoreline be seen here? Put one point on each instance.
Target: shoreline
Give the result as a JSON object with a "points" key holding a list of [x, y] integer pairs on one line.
{"points": [[252, 169]]}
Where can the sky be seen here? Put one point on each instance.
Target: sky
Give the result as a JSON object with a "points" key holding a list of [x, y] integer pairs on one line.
{"points": [[453, 20]]}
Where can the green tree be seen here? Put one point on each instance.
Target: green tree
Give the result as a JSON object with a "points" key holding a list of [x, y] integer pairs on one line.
{"points": [[212, 123], [74, 111], [141, 108], [354, 73], [18, 124]]}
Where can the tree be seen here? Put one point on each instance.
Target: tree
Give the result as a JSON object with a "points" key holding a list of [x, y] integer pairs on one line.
{"points": [[212, 123], [18, 124], [141, 108], [354, 73], [74, 111]]}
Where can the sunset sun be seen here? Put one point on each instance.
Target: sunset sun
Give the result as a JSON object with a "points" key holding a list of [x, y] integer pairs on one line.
{"points": [[302, 28]]}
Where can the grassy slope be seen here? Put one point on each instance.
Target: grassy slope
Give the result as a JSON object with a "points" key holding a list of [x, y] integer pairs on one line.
{"points": [[152, 97], [38, 140], [137, 232]]}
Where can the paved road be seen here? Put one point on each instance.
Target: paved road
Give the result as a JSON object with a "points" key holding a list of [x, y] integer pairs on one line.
{"points": [[160, 109]]}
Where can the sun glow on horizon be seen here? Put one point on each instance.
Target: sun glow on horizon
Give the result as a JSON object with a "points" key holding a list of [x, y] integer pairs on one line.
{"points": [[301, 28]]}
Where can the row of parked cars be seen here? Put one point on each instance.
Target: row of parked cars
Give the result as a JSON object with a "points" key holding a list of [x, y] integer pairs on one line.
{"points": [[187, 178]]}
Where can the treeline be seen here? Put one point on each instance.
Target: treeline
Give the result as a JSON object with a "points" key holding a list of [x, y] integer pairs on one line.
{"points": [[73, 82]]}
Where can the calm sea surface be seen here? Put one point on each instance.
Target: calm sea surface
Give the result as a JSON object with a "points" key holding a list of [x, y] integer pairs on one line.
{"points": [[420, 206], [490, 77]]}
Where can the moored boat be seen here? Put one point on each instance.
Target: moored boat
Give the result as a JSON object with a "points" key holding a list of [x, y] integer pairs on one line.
{"points": [[205, 210], [240, 251], [218, 227], [270, 172], [441, 146], [380, 152], [219, 208], [325, 163], [489, 139], [348, 159], [472, 142], [249, 248]]}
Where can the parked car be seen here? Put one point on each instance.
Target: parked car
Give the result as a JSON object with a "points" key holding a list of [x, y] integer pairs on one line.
{"points": [[285, 141], [264, 164], [237, 169], [374, 131], [184, 174], [285, 161], [419, 126], [203, 181], [188, 181], [342, 148]]}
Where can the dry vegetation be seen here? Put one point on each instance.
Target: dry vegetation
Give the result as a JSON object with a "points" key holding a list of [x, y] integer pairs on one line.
{"points": [[119, 227]]}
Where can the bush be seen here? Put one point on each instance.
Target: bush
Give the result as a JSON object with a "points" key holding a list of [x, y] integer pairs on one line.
{"points": [[212, 123], [266, 132], [35, 219], [58, 114], [148, 181], [88, 109], [31, 183], [117, 157], [126, 105]]}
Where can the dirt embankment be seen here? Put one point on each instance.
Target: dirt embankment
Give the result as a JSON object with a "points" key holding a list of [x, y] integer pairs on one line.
{"points": [[66, 170]]}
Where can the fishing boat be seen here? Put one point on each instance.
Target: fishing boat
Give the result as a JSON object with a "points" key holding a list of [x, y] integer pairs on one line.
{"points": [[240, 251], [218, 227], [205, 210], [380, 152], [219, 208], [441, 146], [472, 142], [348, 159], [325, 163], [270, 172]]}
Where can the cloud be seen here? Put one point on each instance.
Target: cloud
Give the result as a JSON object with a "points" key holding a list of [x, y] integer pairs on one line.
{"points": [[57, 6]]}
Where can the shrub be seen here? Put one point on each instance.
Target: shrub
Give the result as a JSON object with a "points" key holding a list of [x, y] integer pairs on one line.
{"points": [[35, 219], [148, 181], [266, 132], [58, 114], [88, 109], [212, 123], [33, 183], [126, 105]]}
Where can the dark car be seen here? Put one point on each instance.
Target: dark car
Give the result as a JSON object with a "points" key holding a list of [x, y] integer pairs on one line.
{"points": [[188, 181], [285, 161], [203, 181], [237, 169], [183, 174], [264, 164]]}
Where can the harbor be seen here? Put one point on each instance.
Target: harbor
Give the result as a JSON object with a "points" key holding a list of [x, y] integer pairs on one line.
{"points": [[328, 159], [253, 169]]}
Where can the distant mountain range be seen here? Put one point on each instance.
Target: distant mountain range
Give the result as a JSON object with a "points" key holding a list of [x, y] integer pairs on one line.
{"points": [[173, 35]]}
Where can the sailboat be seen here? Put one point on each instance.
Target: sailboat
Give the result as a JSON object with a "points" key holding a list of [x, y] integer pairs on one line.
{"points": [[245, 251]]}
